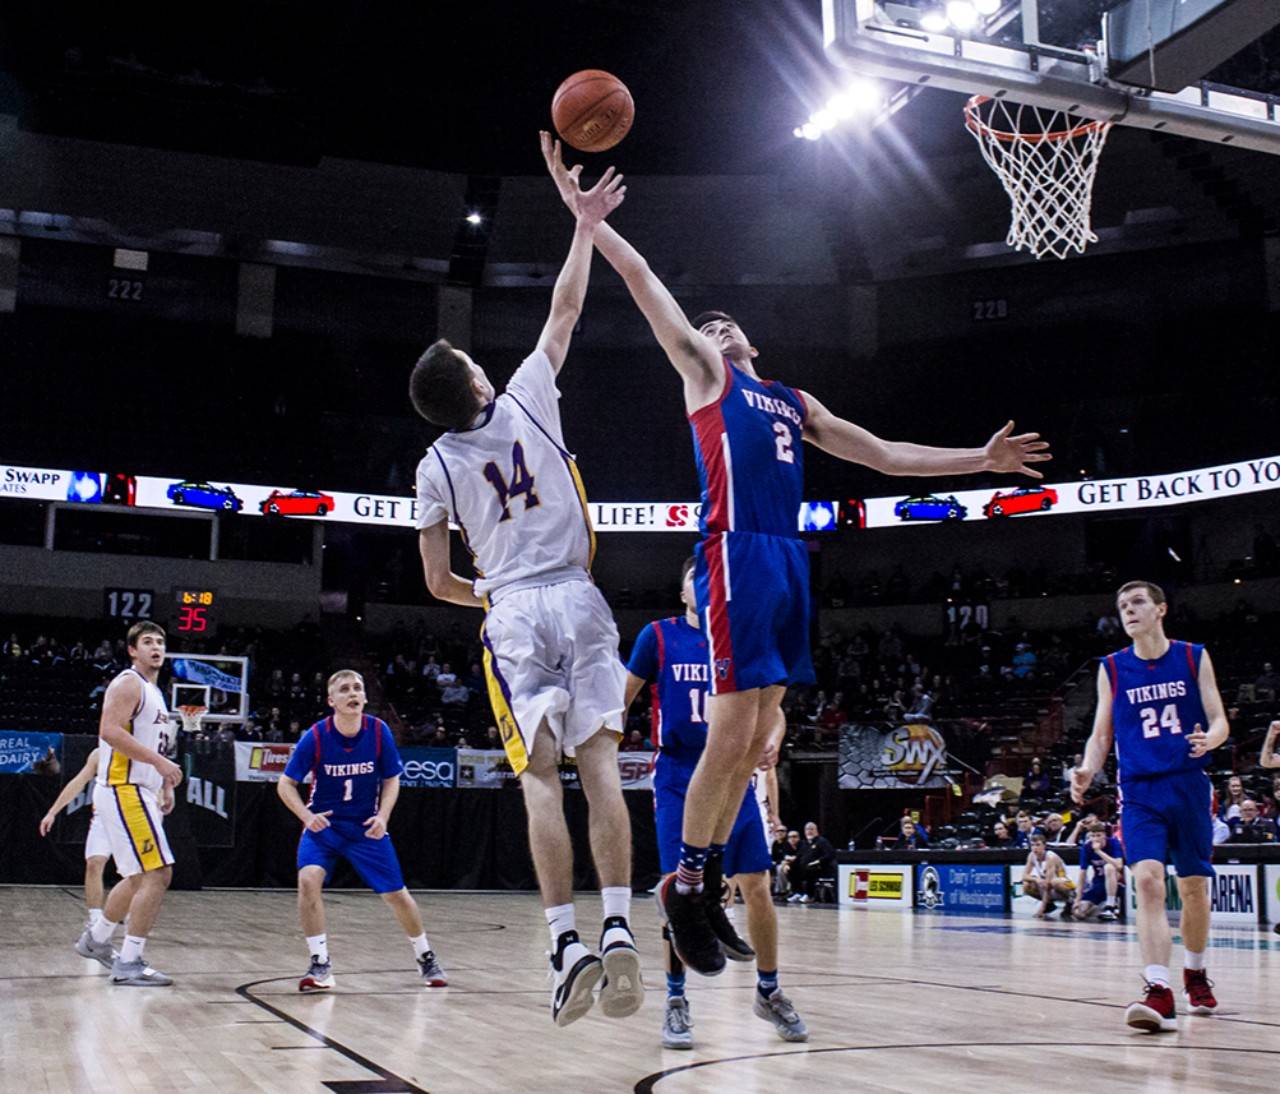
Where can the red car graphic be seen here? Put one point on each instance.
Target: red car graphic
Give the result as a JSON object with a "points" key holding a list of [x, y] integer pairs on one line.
{"points": [[1026, 499], [296, 503]]}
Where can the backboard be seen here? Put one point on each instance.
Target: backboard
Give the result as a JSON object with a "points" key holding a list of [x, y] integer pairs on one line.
{"points": [[1054, 54], [217, 681]]}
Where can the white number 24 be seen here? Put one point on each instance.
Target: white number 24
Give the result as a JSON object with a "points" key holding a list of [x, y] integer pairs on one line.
{"points": [[1168, 718]]}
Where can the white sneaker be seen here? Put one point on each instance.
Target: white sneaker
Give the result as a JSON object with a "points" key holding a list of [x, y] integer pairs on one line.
{"points": [[622, 991], [676, 1024], [575, 971], [101, 952]]}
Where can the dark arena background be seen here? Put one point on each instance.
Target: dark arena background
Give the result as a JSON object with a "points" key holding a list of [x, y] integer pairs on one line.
{"points": [[228, 231]]}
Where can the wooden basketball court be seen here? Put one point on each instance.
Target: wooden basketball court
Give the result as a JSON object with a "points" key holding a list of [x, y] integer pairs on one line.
{"points": [[894, 1002]]}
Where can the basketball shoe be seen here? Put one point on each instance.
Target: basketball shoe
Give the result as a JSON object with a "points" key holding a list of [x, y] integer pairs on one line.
{"points": [[1197, 989], [777, 1008], [138, 974], [1154, 1014], [692, 938], [319, 977], [622, 990], [432, 971], [734, 945], [101, 952], [677, 1023], [575, 971]]}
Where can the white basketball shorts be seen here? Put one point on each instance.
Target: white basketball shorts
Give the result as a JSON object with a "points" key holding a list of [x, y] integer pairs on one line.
{"points": [[131, 817]]}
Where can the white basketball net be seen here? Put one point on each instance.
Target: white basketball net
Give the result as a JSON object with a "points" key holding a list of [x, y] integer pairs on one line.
{"points": [[191, 716], [1046, 161]]}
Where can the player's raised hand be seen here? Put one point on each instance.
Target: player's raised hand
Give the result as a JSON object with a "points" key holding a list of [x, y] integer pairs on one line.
{"points": [[1199, 742], [592, 206], [1010, 454], [318, 822], [565, 178], [375, 827], [1081, 780]]}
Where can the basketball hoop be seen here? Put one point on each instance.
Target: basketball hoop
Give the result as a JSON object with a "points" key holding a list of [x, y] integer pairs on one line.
{"points": [[1046, 160], [191, 715]]}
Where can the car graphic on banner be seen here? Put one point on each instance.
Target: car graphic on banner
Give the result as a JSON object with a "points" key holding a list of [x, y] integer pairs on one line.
{"points": [[930, 507], [296, 503], [1026, 499], [203, 495]]}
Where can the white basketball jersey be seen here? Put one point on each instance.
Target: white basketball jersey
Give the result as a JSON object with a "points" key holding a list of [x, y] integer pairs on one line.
{"points": [[512, 487], [149, 726]]}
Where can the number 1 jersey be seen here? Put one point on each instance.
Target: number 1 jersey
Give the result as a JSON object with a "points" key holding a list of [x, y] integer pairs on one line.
{"points": [[1155, 706], [672, 656], [508, 482]]}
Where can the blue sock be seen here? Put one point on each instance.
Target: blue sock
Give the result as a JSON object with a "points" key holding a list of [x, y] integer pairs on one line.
{"points": [[689, 873], [675, 985], [716, 850], [766, 981]]}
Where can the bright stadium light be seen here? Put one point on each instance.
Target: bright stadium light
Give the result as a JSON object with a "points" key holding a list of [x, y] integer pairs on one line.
{"points": [[474, 218], [961, 14], [867, 96], [842, 105], [824, 119], [809, 131], [934, 22], [987, 7]]}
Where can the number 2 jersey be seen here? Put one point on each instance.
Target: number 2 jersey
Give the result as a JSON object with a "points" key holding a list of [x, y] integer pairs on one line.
{"points": [[1155, 706], [347, 771], [508, 482]]}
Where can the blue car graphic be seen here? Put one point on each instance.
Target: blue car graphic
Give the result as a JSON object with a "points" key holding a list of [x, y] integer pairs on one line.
{"points": [[201, 495], [930, 507]]}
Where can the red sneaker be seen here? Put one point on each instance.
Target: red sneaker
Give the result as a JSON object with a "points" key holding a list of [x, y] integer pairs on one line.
{"points": [[1198, 990], [1156, 1013]]}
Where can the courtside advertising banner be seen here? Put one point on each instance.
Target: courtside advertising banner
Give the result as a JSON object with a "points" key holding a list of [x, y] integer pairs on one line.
{"points": [[313, 502], [20, 752], [908, 757], [491, 769], [887, 888], [965, 889], [72, 825], [259, 762], [1235, 895], [428, 767]]}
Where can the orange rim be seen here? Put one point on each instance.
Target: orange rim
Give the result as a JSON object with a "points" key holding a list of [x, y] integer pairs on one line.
{"points": [[975, 124]]}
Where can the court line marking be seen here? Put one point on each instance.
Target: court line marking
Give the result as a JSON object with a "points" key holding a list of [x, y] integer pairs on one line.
{"points": [[646, 1085], [245, 992]]}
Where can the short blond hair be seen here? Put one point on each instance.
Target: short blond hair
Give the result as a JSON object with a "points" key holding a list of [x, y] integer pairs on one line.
{"points": [[342, 674]]}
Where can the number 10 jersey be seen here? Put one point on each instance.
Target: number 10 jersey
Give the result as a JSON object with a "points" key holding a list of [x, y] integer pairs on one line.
{"points": [[508, 482]]}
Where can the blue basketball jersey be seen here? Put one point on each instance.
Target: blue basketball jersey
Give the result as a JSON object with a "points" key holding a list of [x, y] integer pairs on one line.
{"points": [[1155, 706], [1089, 859], [750, 457], [672, 656], [347, 771]]}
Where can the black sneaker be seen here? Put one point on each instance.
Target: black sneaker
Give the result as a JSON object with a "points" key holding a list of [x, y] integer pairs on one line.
{"points": [[575, 971], [734, 945], [692, 938]]}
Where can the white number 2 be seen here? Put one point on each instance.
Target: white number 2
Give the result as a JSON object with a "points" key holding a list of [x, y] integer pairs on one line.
{"points": [[782, 436], [346, 790], [1168, 718]]}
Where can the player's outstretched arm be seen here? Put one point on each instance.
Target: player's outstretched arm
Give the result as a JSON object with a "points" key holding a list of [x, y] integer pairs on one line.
{"points": [[1219, 728], [443, 583], [1098, 746], [118, 706], [693, 356], [82, 779], [590, 208], [1268, 757], [1004, 452]]}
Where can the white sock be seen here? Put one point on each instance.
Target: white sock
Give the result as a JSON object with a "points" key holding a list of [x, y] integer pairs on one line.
{"points": [[132, 948], [103, 929], [420, 944], [1157, 974], [318, 947], [617, 900], [95, 916], [1192, 960], [560, 919]]}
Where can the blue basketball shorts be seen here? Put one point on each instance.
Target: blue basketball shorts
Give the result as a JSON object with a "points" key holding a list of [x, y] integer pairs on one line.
{"points": [[373, 859], [747, 852], [753, 598], [1167, 819], [1097, 891]]}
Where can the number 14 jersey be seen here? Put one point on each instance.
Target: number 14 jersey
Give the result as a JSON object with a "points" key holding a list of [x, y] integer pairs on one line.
{"points": [[1155, 706], [508, 482]]}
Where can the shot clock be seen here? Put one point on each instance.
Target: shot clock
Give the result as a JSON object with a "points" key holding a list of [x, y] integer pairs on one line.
{"points": [[194, 610]]}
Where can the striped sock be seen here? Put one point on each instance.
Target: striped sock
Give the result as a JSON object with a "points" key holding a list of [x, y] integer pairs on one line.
{"points": [[675, 985], [689, 873]]}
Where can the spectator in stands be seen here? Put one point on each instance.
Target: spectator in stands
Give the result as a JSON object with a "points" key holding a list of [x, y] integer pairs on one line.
{"points": [[295, 730], [475, 678], [1024, 661], [921, 709], [1221, 830], [275, 684], [817, 860], [792, 849], [297, 689], [1000, 836], [1022, 836], [446, 677], [1266, 685], [274, 732], [637, 742], [1232, 800], [493, 739], [439, 737], [99, 689], [1055, 830], [456, 694], [1250, 827], [1036, 781], [911, 837]]}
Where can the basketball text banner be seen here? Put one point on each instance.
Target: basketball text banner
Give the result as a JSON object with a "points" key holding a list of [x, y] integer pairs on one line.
{"points": [[909, 757], [261, 763], [966, 889], [1234, 895], [491, 769], [428, 767], [888, 888], [21, 752]]}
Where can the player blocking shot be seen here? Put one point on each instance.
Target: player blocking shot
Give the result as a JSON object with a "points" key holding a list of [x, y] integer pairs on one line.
{"points": [[502, 474], [1155, 699], [355, 771], [671, 656], [132, 795], [752, 573]]}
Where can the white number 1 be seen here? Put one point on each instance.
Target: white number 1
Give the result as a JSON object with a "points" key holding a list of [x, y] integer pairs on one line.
{"points": [[698, 705], [783, 439], [346, 790]]}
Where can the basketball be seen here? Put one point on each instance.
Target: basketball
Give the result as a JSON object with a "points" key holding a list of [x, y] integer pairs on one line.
{"points": [[592, 110]]}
